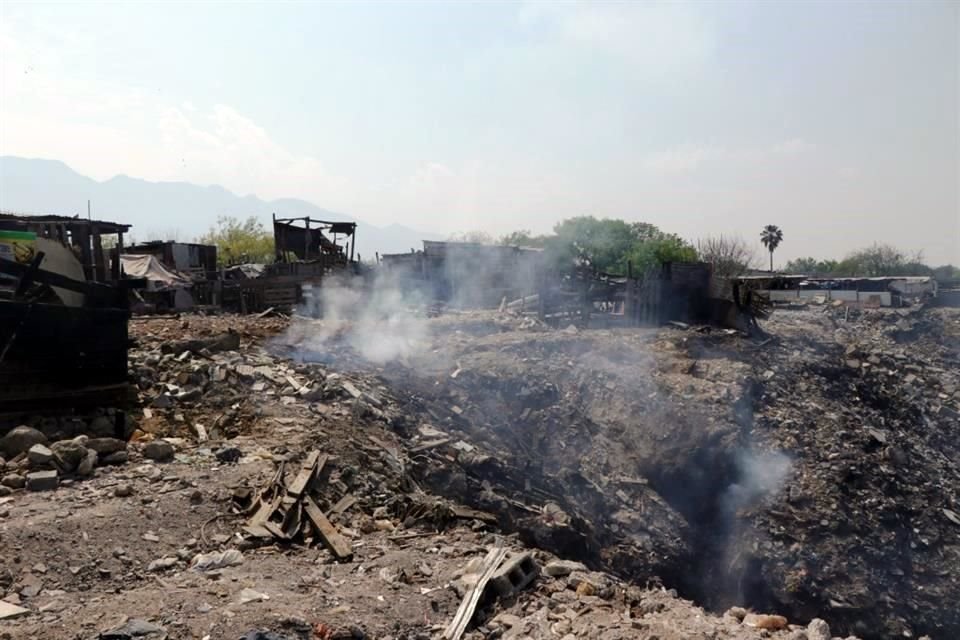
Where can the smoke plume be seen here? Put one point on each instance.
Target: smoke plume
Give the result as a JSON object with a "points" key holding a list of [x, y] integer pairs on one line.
{"points": [[376, 318]]}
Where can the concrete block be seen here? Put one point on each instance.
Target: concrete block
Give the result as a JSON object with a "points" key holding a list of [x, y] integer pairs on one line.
{"points": [[515, 574], [42, 481]]}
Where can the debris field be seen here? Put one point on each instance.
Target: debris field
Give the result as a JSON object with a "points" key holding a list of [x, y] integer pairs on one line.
{"points": [[499, 478]]}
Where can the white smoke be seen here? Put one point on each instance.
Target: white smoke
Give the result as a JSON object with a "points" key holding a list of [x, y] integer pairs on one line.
{"points": [[375, 318], [761, 474]]}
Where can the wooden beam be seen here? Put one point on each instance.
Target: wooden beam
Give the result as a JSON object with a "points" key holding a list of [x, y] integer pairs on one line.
{"points": [[116, 262], [100, 265], [327, 532], [97, 290], [308, 473]]}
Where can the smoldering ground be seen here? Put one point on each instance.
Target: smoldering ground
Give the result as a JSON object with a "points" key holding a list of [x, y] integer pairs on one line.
{"points": [[376, 317]]}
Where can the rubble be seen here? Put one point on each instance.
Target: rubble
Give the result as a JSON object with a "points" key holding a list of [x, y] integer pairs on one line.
{"points": [[159, 451], [625, 470], [42, 480]]}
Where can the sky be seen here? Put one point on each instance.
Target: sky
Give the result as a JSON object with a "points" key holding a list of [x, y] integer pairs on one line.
{"points": [[837, 121]]}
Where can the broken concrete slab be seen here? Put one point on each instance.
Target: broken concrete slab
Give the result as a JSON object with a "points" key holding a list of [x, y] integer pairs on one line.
{"points": [[46, 480], [9, 611]]}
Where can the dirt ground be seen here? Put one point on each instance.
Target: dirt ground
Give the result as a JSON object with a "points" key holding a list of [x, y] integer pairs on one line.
{"points": [[810, 473]]}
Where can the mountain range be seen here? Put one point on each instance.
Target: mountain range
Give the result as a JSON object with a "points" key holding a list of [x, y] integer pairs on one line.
{"points": [[168, 210]]}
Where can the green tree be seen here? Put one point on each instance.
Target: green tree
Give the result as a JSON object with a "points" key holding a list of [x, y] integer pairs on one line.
{"points": [[771, 237], [585, 240], [606, 245], [663, 248], [523, 238], [240, 241], [812, 267], [882, 260]]}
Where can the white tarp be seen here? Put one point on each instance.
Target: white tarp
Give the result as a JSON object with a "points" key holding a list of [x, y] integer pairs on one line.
{"points": [[159, 277]]}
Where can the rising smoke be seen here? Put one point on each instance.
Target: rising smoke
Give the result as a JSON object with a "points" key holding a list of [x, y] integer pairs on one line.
{"points": [[760, 474], [375, 317]]}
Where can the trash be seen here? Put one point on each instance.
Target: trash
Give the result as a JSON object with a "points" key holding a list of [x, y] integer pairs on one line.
{"points": [[162, 564], [216, 560], [251, 595], [134, 628]]}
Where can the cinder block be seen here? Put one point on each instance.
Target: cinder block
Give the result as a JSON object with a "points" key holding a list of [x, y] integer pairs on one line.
{"points": [[515, 574]]}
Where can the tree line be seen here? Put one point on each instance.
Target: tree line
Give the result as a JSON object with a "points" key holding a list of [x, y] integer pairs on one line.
{"points": [[612, 246], [876, 260]]}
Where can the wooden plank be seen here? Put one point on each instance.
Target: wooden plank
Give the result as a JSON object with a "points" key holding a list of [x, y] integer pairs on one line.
{"points": [[255, 526], [308, 472], [276, 531], [325, 529], [344, 503], [54, 279], [473, 514], [292, 521], [469, 604], [430, 444]]}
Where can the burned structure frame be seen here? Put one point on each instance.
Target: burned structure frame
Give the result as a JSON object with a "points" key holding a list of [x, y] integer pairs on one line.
{"points": [[310, 242], [52, 351]]}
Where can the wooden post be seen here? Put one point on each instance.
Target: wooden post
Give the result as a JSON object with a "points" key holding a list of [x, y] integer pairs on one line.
{"points": [[116, 262], [306, 239], [277, 239], [82, 233], [628, 310], [99, 265]]}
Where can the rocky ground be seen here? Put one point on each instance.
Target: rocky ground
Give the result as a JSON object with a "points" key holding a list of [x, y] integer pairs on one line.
{"points": [[810, 473]]}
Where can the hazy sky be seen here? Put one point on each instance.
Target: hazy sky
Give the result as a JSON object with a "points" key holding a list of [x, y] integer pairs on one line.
{"points": [[838, 121]]}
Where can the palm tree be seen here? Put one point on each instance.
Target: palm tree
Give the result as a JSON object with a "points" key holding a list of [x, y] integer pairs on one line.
{"points": [[771, 237]]}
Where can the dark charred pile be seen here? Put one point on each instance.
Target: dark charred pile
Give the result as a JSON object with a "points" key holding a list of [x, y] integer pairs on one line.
{"points": [[579, 448], [811, 472], [867, 531]]}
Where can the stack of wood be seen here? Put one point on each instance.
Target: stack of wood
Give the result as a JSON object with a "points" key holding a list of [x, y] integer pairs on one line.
{"points": [[286, 511]]}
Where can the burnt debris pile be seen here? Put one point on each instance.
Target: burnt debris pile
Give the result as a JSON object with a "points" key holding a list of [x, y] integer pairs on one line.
{"points": [[811, 472], [868, 528]]}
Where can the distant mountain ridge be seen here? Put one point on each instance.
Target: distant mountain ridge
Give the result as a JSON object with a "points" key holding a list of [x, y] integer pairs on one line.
{"points": [[33, 186]]}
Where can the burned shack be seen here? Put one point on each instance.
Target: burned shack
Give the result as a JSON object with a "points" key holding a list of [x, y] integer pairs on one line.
{"points": [[180, 275], [307, 251], [198, 261], [472, 275], [468, 274], [671, 291], [63, 311]]}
